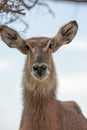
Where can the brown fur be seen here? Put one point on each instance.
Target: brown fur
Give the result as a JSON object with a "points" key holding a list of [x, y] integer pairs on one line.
{"points": [[41, 109]]}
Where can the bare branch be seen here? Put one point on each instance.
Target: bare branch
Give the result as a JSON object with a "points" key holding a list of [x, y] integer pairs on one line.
{"points": [[78, 0], [25, 23], [66, 0], [11, 6], [47, 6], [14, 11], [12, 19], [16, 8], [19, 6], [29, 7]]}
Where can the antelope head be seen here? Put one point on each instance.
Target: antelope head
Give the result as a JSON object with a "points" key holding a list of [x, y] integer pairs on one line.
{"points": [[39, 50]]}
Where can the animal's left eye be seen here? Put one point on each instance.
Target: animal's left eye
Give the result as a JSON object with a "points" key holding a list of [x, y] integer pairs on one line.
{"points": [[50, 45], [27, 47]]}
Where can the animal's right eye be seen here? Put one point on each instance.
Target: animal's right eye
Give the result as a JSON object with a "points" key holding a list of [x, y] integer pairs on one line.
{"points": [[27, 47], [50, 45]]}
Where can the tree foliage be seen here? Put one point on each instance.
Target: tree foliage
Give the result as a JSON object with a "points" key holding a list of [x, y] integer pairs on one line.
{"points": [[13, 9]]}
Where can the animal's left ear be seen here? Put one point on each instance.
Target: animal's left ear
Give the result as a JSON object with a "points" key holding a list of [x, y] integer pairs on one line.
{"points": [[65, 35], [12, 39]]}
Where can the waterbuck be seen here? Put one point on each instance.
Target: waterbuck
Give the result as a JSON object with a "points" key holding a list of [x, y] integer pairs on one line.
{"points": [[42, 111]]}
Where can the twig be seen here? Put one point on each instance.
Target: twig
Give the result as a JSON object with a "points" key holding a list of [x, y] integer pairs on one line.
{"points": [[29, 7], [14, 11]]}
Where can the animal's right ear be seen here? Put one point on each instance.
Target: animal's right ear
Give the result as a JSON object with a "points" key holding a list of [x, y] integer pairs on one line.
{"points": [[65, 35], [13, 39]]}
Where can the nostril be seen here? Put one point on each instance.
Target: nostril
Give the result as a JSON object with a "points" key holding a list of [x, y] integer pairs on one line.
{"points": [[35, 68], [39, 69], [43, 68]]}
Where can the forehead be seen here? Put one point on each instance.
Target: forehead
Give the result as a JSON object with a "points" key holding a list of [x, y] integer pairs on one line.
{"points": [[38, 41]]}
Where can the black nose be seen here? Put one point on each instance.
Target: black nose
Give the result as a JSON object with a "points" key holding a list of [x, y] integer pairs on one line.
{"points": [[40, 69]]}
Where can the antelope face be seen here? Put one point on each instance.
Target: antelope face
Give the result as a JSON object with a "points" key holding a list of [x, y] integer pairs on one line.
{"points": [[39, 59], [39, 51]]}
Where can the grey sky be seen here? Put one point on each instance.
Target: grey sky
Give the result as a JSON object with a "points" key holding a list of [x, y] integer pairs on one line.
{"points": [[70, 61]]}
